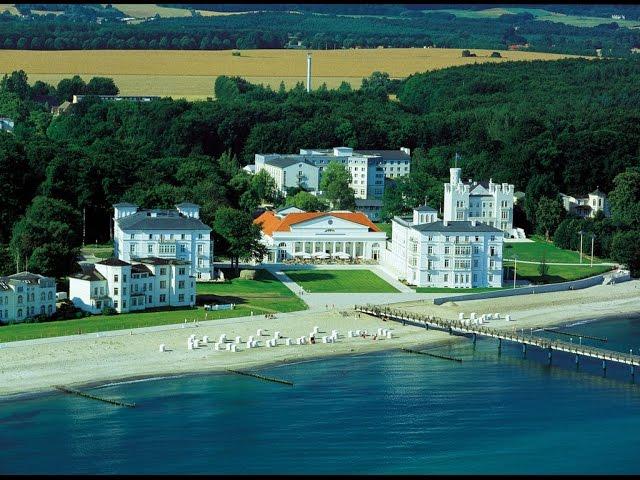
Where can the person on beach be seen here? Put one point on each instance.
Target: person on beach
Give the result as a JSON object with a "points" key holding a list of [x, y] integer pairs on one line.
{"points": [[312, 340], [375, 337]]}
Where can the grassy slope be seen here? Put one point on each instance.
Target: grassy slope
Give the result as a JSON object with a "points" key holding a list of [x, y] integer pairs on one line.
{"points": [[340, 281], [263, 295], [102, 250], [533, 252]]}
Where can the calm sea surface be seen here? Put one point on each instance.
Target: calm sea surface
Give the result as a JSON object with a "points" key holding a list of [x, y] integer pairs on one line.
{"points": [[380, 413]]}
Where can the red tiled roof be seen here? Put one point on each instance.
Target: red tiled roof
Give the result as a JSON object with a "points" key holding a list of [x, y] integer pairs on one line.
{"points": [[270, 223]]}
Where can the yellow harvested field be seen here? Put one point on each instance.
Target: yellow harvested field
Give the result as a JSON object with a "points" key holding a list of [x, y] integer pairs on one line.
{"points": [[191, 74], [146, 10], [9, 7]]}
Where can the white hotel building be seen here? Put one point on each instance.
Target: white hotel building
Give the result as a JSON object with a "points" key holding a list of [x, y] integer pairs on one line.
{"points": [[489, 203], [427, 252], [25, 295], [130, 287], [169, 234], [323, 235]]}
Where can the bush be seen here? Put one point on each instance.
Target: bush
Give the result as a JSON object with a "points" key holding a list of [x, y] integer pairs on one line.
{"points": [[248, 274], [109, 311], [495, 55]]}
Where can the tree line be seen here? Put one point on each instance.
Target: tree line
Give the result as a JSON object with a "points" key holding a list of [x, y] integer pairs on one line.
{"points": [[567, 126]]}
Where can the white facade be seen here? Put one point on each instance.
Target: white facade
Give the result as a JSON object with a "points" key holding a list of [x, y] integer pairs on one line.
{"points": [[427, 252], [587, 207], [289, 171], [25, 295], [368, 168], [129, 287], [488, 203], [169, 234], [338, 234]]}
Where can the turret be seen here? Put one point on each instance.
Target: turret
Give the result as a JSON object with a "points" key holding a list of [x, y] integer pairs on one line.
{"points": [[454, 175], [124, 209], [424, 214], [189, 209]]}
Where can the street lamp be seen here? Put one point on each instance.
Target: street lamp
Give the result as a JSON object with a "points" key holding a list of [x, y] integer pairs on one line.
{"points": [[515, 269], [581, 233], [592, 239]]}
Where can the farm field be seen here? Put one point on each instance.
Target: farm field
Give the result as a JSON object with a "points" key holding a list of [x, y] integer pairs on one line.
{"points": [[340, 281], [191, 73], [540, 14], [146, 10], [266, 294]]}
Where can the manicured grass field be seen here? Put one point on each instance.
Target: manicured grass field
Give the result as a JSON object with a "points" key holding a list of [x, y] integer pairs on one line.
{"points": [[534, 251], [557, 273], [340, 281], [266, 294], [191, 73]]}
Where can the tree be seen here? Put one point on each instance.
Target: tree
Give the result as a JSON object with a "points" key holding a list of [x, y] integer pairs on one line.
{"points": [[306, 202], [240, 234], [68, 87], [392, 202], [539, 186], [543, 267], [495, 55], [16, 83], [48, 236], [548, 215], [625, 248], [335, 186], [625, 198], [101, 86]]}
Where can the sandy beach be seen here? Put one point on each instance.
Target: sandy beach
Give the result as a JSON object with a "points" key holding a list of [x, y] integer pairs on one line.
{"points": [[36, 365]]}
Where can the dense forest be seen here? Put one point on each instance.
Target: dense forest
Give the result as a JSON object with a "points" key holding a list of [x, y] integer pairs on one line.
{"points": [[318, 31], [568, 126]]}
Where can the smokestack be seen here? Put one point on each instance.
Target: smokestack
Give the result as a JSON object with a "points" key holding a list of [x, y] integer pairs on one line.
{"points": [[308, 72]]}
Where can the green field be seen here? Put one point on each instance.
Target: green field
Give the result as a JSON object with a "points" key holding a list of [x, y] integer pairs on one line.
{"points": [[534, 251], [100, 250], [266, 294], [340, 281], [539, 14], [557, 273]]}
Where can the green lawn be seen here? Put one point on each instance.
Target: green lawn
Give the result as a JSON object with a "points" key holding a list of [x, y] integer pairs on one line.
{"points": [[266, 294], [557, 273], [340, 281], [100, 250], [534, 251], [386, 228]]}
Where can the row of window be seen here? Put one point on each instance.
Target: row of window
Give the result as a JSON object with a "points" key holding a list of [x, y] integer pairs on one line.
{"points": [[162, 236], [27, 311], [138, 301], [163, 272], [30, 298], [163, 285]]}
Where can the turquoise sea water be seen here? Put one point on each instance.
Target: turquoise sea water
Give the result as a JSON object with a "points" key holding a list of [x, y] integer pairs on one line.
{"points": [[381, 413]]}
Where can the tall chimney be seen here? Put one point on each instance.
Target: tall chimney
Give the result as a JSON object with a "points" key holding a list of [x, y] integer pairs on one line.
{"points": [[308, 72]]}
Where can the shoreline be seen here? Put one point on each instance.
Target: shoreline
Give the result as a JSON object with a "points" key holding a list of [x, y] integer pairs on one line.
{"points": [[93, 362]]}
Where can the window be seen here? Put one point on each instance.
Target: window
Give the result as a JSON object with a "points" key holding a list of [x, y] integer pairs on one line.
{"points": [[430, 250], [149, 299], [95, 291], [163, 284], [181, 297], [132, 236], [124, 278], [446, 250], [446, 263], [150, 286], [163, 298], [163, 271], [115, 291], [132, 248], [19, 312], [42, 295], [150, 236], [181, 284], [475, 264], [183, 248], [116, 278], [124, 304], [124, 291], [199, 236], [475, 277], [115, 304], [491, 278], [446, 277], [200, 249], [19, 298], [182, 236], [181, 271]]}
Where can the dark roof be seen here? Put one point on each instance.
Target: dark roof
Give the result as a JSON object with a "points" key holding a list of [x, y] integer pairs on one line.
{"points": [[163, 261], [455, 227], [286, 161], [385, 154], [188, 205], [114, 262], [598, 192], [472, 185], [166, 220], [425, 208], [139, 268], [89, 273], [25, 277], [124, 204]]}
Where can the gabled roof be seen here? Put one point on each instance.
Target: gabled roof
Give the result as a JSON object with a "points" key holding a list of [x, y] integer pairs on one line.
{"points": [[455, 227], [114, 262], [89, 273], [270, 223], [286, 161], [139, 268], [425, 208], [26, 277], [598, 193]]}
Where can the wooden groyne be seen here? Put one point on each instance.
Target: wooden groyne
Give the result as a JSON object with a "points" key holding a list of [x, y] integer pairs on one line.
{"points": [[261, 377], [573, 334], [458, 327], [71, 391], [435, 355]]}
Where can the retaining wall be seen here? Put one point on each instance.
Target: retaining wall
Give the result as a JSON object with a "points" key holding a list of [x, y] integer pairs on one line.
{"points": [[552, 287]]}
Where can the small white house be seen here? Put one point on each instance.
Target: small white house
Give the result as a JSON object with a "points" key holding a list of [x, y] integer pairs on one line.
{"points": [[128, 287], [24, 295], [587, 207]]}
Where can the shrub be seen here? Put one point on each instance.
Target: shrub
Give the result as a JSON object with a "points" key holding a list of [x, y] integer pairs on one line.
{"points": [[109, 311], [248, 274]]}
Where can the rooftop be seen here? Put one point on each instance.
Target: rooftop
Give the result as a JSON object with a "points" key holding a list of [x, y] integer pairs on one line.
{"points": [[89, 273], [386, 154], [286, 161], [114, 262], [163, 220], [451, 227], [425, 208], [270, 223]]}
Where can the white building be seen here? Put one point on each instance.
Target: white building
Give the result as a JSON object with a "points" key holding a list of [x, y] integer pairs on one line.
{"points": [[289, 171], [25, 295], [6, 124], [489, 203], [587, 207], [368, 168], [129, 287], [338, 234], [169, 234], [427, 252]]}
